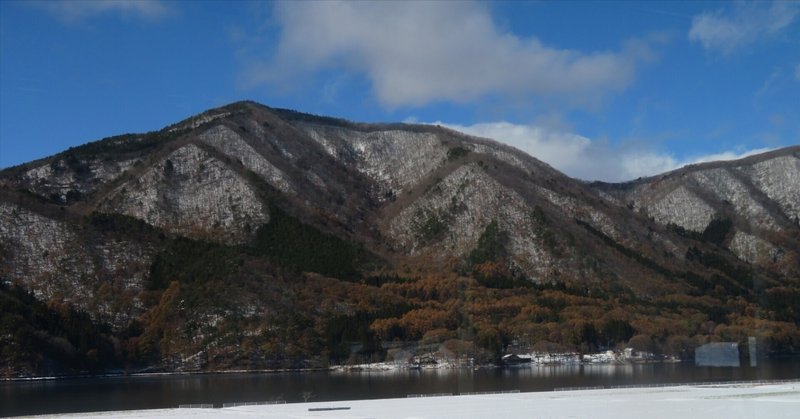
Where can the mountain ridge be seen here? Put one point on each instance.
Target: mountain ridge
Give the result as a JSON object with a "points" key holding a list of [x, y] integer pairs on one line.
{"points": [[245, 197]]}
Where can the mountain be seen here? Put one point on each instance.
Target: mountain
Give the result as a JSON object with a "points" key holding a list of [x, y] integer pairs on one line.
{"points": [[756, 199], [254, 237]]}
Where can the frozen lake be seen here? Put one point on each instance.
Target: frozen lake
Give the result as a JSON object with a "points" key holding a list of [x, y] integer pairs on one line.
{"points": [[158, 392], [709, 401]]}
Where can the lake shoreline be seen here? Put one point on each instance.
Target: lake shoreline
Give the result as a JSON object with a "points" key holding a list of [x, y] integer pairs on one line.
{"points": [[346, 368], [419, 362], [537, 359], [166, 390], [776, 399]]}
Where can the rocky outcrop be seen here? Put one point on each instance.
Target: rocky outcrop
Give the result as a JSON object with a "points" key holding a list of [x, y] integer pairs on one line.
{"points": [[778, 178], [681, 207], [44, 254], [234, 146], [395, 159], [193, 194], [70, 178], [58, 262], [753, 249], [450, 217]]}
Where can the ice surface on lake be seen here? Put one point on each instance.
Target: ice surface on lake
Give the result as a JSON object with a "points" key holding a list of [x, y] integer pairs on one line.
{"points": [[746, 400]]}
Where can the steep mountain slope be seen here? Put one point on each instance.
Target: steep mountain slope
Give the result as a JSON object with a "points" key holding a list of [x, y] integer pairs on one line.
{"points": [[756, 200], [217, 240]]}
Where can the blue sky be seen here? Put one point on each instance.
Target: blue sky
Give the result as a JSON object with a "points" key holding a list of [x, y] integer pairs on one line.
{"points": [[600, 90]]}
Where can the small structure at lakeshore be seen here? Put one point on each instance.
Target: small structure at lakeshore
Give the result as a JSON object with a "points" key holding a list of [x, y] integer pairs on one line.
{"points": [[717, 354]]}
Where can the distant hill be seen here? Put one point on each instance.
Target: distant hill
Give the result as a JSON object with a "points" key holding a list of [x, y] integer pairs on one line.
{"points": [[253, 237]]}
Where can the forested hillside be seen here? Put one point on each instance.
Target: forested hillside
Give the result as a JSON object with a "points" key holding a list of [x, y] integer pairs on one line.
{"points": [[252, 237]]}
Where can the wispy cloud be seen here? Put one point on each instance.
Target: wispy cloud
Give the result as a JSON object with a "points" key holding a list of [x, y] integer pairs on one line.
{"points": [[72, 11], [587, 159], [743, 23], [770, 83], [415, 53]]}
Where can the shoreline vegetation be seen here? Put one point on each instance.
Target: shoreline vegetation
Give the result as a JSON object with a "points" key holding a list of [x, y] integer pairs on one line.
{"points": [[419, 362], [429, 362]]}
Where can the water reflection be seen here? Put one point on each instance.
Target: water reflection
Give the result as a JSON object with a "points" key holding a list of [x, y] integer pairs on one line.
{"points": [[120, 393]]}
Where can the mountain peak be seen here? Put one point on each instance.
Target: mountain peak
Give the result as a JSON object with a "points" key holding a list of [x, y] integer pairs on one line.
{"points": [[238, 202]]}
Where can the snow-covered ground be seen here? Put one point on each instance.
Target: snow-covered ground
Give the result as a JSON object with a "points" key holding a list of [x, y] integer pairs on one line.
{"points": [[780, 400]]}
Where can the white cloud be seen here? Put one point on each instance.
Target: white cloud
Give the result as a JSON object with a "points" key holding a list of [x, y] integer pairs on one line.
{"points": [[728, 155], [564, 151], [583, 158], [78, 10], [414, 53], [742, 24]]}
